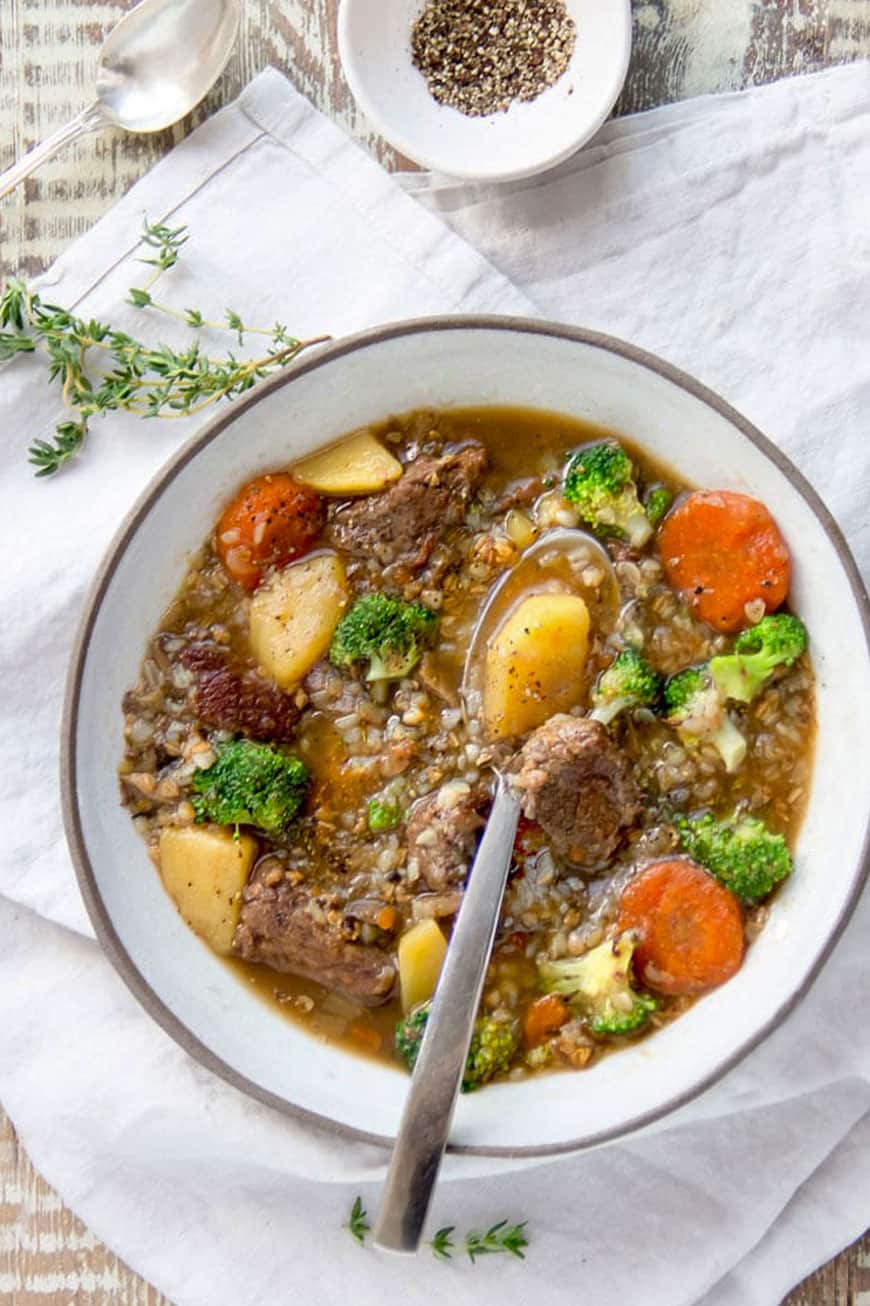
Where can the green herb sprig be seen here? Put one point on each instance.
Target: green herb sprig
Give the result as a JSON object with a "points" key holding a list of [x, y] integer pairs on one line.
{"points": [[499, 1238], [102, 370], [357, 1222], [442, 1244]]}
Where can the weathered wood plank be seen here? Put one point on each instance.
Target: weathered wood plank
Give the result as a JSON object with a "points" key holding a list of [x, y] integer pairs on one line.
{"points": [[48, 52], [47, 1256]]}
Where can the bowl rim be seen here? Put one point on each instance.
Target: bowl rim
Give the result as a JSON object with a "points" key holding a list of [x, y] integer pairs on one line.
{"points": [[104, 928], [399, 140]]}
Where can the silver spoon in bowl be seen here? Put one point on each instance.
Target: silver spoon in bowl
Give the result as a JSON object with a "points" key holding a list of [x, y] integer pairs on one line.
{"points": [[156, 64], [428, 1112]]}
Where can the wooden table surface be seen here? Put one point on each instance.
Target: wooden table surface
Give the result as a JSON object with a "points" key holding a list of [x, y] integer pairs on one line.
{"points": [[48, 50]]}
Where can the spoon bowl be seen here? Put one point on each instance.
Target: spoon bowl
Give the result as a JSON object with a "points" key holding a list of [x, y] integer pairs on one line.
{"points": [[162, 58], [563, 560], [155, 66]]}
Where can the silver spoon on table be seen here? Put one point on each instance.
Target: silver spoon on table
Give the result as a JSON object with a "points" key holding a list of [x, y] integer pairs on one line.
{"points": [[426, 1119], [156, 64]]}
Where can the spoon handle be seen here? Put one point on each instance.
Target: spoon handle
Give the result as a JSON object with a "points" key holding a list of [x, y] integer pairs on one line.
{"points": [[429, 1107], [86, 121]]}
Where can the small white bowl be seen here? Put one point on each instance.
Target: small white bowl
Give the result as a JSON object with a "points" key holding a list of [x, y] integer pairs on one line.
{"points": [[374, 41]]}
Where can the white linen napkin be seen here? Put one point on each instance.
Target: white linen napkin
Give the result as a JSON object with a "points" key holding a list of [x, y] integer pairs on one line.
{"points": [[729, 235]]}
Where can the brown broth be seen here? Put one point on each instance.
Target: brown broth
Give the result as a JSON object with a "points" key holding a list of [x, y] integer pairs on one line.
{"points": [[521, 443]]}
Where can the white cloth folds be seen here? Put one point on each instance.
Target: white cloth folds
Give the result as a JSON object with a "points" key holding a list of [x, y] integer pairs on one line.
{"points": [[729, 235]]}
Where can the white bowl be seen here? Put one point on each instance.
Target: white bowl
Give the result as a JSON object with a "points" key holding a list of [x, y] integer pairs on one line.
{"points": [[374, 42], [444, 363]]}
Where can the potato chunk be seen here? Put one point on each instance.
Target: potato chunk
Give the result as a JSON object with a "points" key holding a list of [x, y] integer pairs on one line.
{"points": [[535, 664], [358, 465], [293, 616], [421, 953], [204, 870]]}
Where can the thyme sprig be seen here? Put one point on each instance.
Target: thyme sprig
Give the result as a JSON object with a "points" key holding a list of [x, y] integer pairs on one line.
{"points": [[501, 1237], [102, 370]]}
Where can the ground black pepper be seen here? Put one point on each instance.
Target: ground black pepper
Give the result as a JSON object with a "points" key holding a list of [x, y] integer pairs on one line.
{"points": [[478, 56]]}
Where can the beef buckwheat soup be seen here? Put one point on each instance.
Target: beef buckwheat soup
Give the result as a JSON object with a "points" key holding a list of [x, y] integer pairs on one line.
{"points": [[309, 758]]}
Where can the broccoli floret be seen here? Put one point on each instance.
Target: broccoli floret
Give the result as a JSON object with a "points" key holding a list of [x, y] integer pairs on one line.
{"points": [[250, 784], [384, 631], [493, 1045], [776, 641], [383, 816], [628, 682], [741, 852], [692, 704], [598, 984], [657, 502], [599, 481], [539, 1057], [409, 1034]]}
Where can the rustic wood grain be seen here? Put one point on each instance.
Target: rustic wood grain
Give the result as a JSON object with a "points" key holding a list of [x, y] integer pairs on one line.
{"points": [[48, 51], [47, 1256]]}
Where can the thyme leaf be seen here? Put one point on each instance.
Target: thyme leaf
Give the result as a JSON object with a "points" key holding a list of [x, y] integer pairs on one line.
{"points": [[500, 1237], [357, 1222], [442, 1244]]}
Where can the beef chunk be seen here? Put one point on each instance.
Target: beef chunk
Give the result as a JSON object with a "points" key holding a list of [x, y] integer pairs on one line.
{"points": [[520, 494], [438, 680], [577, 785], [336, 692], [620, 550], [404, 523], [442, 834], [241, 702], [277, 929]]}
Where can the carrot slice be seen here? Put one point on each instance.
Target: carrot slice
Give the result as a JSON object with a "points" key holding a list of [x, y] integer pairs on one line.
{"points": [[723, 550], [387, 918], [690, 928], [271, 521], [543, 1017], [366, 1035]]}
